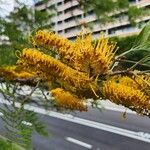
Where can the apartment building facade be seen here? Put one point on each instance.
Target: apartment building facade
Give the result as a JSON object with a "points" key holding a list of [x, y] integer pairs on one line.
{"points": [[69, 18]]}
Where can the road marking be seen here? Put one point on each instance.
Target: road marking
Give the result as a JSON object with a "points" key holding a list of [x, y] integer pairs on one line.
{"points": [[143, 134], [85, 122], [79, 142]]}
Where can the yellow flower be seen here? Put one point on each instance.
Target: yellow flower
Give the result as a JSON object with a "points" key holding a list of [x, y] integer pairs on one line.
{"points": [[66, 100], [102, 56], [84, 50], [12, 72], [82, 54], [50, 67], [137, 82], [127, 96], [53, 41]]}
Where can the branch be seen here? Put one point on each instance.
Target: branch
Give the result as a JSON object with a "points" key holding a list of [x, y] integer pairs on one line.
{"points": [[120, 72], [138, 62], [128, 72], [29, 81], [29, 95], [133, 62], [144, 72]]}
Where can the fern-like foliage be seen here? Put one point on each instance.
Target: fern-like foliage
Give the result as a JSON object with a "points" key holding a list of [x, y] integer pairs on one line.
{"points": [[18, 122]]}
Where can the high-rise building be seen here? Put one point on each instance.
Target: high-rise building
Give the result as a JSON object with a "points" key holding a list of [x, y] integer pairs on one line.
{"points": [[69, 17]]}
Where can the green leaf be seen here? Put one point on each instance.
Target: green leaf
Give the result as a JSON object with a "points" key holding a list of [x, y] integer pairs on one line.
{"points": [[141, 44], [144, 36]]}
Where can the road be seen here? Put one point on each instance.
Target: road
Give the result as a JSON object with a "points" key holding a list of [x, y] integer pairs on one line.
{"points": [[95, 130], [67, 135], [97, 139]]}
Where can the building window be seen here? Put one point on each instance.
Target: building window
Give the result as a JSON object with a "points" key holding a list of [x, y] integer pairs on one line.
{"points": [[43, 10], [59, 3], [69, 19], [59, 13], [123, 28], [66, 1], [71, 9], [60, 31], [132, 1], [71, 29], [59, 22], [52, 6], [73, 18]]}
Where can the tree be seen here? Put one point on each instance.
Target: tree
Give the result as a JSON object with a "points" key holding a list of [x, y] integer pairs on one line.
{"points": [[17, 26], [108, 10], [70, 72], [76, 71]]}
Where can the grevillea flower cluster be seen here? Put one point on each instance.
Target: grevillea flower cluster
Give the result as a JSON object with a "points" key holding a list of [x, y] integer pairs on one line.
{"points": [[82, 55], [127, 93], [135, 82], [64, 99], [81, 70], [51, 40], [54, 42], [49, 68], [14, 73], [102, 57], [79, 65]]}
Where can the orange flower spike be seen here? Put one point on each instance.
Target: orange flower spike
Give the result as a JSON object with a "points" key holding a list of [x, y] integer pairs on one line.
{"points": [[11, 73], [101, 59], [127, 96], [66, 100], [50, 39], [53, 67]]}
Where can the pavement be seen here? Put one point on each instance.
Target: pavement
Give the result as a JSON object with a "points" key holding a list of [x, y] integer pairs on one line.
{"points": [[106, 104]]}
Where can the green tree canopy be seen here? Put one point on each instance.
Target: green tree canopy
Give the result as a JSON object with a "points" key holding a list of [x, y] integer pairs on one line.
{"points": [[18, 25], [107, 10]]}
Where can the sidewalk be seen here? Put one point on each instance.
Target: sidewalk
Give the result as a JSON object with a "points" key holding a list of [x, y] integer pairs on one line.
{"points": [[106, 104]]}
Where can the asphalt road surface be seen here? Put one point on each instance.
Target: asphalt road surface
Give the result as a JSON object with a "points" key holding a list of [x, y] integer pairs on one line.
{"points": [[95, 130], [68, 135]]}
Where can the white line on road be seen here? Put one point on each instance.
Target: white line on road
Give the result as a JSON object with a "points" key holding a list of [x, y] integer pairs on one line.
{"points": [[79, 142], [85, 122]]}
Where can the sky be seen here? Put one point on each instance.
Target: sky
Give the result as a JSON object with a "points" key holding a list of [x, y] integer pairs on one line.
{"points": [[7, 6]]}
